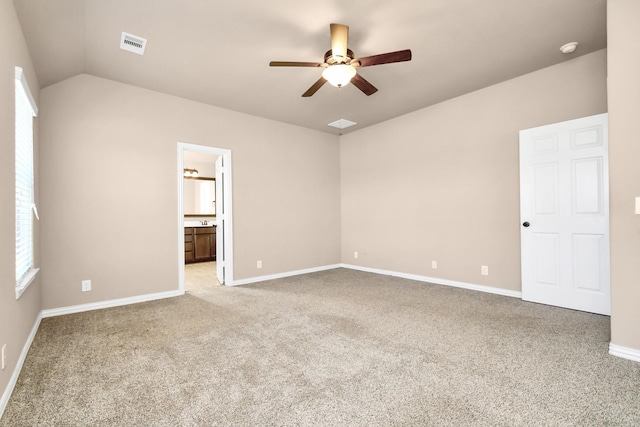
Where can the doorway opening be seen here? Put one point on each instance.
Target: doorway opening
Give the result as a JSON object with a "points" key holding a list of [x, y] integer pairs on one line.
{"points": [[205, 232]]}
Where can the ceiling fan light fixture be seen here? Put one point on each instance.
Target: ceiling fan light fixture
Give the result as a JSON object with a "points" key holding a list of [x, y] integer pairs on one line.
{"points": [[339, 75], [340, 63]]}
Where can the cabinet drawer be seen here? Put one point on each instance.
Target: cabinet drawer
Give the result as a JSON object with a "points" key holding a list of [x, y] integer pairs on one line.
{"points": [[188, 230], [188, 238], [188, 246], [205, 230]]}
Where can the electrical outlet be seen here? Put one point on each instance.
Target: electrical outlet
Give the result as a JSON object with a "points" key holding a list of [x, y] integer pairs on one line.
{"points": [[434, 264], [355, 254], [4, 356], [86, 285], [259, 264], [484, 270]]}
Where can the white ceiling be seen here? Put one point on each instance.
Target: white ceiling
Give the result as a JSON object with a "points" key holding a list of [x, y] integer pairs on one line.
{"points": [[217, 51]]}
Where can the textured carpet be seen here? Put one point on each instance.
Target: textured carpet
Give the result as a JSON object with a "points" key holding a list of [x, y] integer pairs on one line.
{"points": [[335, 348]]}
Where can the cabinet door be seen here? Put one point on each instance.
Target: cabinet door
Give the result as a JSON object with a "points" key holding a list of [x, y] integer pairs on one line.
{"points": [[202, 246]]}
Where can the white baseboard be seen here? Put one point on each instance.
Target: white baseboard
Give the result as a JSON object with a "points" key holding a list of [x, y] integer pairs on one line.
{"points": [[110, 303], [285, 274], [624, 352], [437, 281], [16, 371], [434, 280]]}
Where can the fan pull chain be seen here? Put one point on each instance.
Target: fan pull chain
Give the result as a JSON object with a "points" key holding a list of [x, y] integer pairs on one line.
{"points": [[340, 100]]}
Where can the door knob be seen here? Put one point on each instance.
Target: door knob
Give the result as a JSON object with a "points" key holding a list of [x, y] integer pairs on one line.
{"points": [[525, 224]]}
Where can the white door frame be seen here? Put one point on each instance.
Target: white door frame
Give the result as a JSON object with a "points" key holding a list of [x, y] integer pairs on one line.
{"points": [[228, 230]]}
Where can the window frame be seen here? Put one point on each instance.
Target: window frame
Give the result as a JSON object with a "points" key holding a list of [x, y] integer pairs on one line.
{"points": [[24, 163]]}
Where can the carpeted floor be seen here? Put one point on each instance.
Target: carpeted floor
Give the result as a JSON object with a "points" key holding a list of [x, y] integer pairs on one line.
{"points": [[335, 348]]}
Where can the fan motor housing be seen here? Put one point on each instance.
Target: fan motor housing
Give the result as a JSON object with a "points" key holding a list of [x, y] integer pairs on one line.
{"points": [[329, 59]]}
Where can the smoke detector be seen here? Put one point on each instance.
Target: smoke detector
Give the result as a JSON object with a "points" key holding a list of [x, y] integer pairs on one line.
{"points": [[132, 43], [569, 48]]}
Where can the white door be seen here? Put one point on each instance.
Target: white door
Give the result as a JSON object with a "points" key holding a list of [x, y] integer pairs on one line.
{"points": [[220, 220], [564, 214]]}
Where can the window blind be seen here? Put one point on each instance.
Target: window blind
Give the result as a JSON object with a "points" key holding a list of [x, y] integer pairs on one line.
{"points": [[25, 206]]}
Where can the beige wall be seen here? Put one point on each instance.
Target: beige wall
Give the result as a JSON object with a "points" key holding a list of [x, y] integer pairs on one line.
{"points": [[447, 175], [103, 141], [17, 317], [442, 183], [623, 33]]}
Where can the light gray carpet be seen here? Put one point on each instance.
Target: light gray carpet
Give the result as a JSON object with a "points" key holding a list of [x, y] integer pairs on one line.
{"points": [[336, 348]]}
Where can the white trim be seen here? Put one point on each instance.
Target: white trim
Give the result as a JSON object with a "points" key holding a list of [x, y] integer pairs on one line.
{"points": [[4, 400], [624, 352], [180, 174], [26, 280], [228, 205], [25, 86], [426, 279], [436, 281], [285, 274], [228, 219], [109, 303]]}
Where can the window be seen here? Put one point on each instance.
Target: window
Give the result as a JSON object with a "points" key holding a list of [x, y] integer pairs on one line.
{"points": [[26, 210]]}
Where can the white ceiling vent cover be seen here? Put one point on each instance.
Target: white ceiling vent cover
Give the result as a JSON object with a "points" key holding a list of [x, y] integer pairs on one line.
{"points": [[342, 124], [133, 43]]}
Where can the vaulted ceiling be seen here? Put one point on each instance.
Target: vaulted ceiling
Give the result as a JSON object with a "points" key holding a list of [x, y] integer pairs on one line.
{"points": [[218, 51]]}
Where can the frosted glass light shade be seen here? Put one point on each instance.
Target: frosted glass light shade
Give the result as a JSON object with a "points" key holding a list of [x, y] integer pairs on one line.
{"points": [[339, 75]]}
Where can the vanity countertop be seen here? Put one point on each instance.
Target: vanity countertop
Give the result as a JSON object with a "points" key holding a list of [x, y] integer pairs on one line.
{"points": [[210, 223]]}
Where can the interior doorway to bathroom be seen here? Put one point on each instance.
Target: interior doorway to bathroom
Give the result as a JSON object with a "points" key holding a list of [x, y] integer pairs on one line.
{"points": [[204, 228], [200, 277]]}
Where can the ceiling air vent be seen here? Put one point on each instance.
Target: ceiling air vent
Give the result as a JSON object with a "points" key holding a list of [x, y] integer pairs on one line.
{"points": [[133, 43], [342, 124]]}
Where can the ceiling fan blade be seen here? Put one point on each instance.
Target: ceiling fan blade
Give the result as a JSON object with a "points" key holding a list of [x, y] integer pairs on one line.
{"points": [[384, 58], [366, 87], [313, 89], [339, 40], [294, 64]]}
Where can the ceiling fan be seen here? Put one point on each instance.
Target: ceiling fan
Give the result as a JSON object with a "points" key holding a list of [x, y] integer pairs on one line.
{"points": [[340, 63]]}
